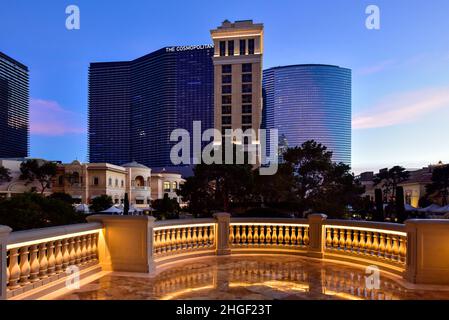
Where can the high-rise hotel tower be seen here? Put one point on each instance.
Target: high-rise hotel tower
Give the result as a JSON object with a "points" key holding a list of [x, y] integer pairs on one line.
{"points": [[238, 75]]}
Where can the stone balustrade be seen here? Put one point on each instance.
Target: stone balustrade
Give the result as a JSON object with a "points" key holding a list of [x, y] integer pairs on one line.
{"points": [[417, 251], [37, 257]]}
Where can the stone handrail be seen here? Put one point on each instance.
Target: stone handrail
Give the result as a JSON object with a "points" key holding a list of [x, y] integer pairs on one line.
{"points": [[416, 250], [39, 256]]}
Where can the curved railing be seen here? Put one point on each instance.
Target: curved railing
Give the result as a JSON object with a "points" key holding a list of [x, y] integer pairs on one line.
{"points": [[38, 257]]}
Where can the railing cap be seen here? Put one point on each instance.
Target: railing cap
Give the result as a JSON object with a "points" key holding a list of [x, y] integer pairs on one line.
{"points": [[317, 217], [222, 215], [109, 217]]}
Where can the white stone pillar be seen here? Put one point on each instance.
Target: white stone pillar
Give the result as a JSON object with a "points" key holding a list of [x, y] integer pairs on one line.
{"points": [[4, 233], [223, 220]]}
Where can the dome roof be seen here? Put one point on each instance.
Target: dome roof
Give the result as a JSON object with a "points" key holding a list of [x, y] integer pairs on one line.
{"points": [[134, 164]]}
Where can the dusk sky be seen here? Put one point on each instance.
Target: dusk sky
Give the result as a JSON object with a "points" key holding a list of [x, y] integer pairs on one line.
{"points": [[400, 72]]}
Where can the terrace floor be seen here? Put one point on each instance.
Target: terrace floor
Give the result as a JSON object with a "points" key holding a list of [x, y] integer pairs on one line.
{"points": [[260, 277]]}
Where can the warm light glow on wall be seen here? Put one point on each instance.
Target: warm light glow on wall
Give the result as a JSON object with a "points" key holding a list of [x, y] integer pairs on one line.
{"points": [[181, 226], [398, 233], [273, 224], [178, 293]]}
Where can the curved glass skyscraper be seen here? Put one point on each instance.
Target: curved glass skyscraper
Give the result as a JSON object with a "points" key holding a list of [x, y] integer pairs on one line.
{"points": [[310, 101]]}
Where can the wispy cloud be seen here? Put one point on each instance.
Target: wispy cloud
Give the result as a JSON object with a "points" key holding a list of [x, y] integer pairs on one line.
{"points": [[375, 68], [403, 108], [48, 118]]}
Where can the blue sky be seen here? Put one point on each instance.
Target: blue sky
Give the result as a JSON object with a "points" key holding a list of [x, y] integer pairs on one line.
{"points": [[400, 72]]}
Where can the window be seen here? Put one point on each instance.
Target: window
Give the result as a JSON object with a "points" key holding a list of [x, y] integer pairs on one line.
{"points": [[140, 201], [242, 47], [251, 46], [61, 180], [247, 119], [226, 68], [174, 185], [166, 186], [226, 110], [247, 98], [226, 99], [222, 48], [226, 120], [123, 183], [247, 77], [110, 182], [231, 48], [116, 201], [226, 79], [247, 88], [247, 108], [96, 181], [247, 67], [116, 182], [224, 128], [148, 201], [226, 89], [244, 128]]}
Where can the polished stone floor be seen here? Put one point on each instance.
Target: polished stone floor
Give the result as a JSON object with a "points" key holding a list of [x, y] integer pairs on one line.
{"points": [[252, 278]]}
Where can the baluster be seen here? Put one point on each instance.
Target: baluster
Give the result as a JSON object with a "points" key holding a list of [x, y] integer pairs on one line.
{"points": [[157, 241], [65, 253], [262, 235], [184, 238], [78, 252], [268, 237], [402, 249], [382, 245], [281, 236], [58, 256], [89, 248], [256, 234], [205, 236], [178, 239], [51, 258], [328, 238], [163, 241], [395, 248], [348, 241], [83, 249], [173, 240], [237, 236], [299, 238], [341, 241], [72, 251], [212, 235], [355, 242], [95, 246], [189, 237], [375, 245], [231, 234], [362, 242], [194, 238], [274, 236], [43, 262], [243, 236], [250, 234], [335, 240], [293, 236], [14, 269], [200, 237], [24, 266], [306, 236], [368, 242], [388, 248], [287, 236]]}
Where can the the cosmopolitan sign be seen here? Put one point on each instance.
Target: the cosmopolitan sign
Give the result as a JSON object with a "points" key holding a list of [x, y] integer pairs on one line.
{"points": [[186, 48]]}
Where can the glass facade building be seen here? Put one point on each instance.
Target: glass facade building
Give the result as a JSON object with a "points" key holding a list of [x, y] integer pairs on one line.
{"points": [[14, 108], [134, 106], [307, 102]]}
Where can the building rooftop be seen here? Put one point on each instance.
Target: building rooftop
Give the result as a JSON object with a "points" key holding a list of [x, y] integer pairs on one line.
{"points": [[8, 58], [134, 164]]}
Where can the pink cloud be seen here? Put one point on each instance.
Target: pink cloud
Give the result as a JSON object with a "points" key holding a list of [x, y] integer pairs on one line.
{"points": [[48, 118], [402, 108], [379, 67]]}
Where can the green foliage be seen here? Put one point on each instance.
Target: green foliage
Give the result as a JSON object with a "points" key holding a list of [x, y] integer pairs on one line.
{"points": [[440, 183], [31, 210], [5, 175], [126, 205], [38, 170], [67, 198], [166, 208], [101, 203], [390, 178]]}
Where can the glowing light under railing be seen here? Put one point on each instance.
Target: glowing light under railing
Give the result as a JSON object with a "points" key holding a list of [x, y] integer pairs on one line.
{"points": [[65, 236], [398, 233], [274, 284], [274, 224], [178, 293], [342, 295], [178, 226]]}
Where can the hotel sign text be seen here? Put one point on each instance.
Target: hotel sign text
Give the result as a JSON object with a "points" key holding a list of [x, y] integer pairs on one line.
{"points": [[185, 48]]}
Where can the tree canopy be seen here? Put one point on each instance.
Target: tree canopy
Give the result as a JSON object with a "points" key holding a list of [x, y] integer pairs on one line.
{"points": [[38, 170], [440, 183]]}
